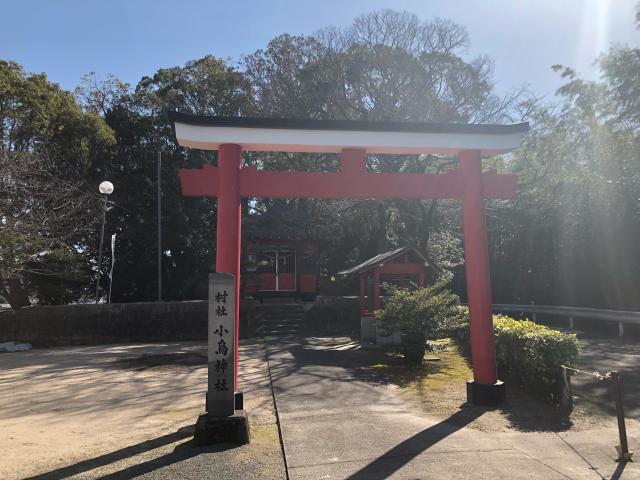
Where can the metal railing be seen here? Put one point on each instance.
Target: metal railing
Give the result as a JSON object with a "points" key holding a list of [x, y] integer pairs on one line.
{"points": [[619, 316]]}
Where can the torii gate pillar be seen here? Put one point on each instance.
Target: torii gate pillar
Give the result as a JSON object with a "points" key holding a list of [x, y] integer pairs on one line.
{"points": [[484, 388], [228, 233]]}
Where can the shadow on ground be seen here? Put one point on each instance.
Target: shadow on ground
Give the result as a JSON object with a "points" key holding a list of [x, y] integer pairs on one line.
{"points": [[153, 360], [181, 452], [400, 455], [522, 411]]}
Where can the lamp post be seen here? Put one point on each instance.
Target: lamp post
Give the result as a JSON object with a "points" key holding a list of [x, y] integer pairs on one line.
{"points": [[106, 188]]}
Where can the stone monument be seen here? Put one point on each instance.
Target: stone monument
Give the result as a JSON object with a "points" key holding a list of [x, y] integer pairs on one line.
{"points": [[221, 423]]}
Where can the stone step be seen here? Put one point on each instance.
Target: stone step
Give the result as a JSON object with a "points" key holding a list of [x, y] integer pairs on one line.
{"points": [[279, 304], [279, 301], [280, 311], [283, 314], [288, 311], [286, 319], [283, 317], [282, 324]]}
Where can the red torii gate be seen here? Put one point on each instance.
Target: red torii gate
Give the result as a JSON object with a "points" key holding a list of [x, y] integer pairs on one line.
{"points": [[353, 140]]}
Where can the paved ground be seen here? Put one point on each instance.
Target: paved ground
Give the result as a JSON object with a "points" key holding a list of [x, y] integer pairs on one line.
{"points": [[604, 354], [127, 411], [338, 421]]}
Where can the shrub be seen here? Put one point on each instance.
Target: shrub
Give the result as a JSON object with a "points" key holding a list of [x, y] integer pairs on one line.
{"points": [[531, 354], [418, 315]]}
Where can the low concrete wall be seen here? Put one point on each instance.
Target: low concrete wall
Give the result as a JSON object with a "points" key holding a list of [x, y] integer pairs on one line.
{"points": [[55, 325], [368, 329], [333, 315], [371, 332], [105, 323]]}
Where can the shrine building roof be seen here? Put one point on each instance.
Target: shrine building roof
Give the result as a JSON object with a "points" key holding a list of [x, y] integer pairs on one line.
{"points": [[382, 258]]}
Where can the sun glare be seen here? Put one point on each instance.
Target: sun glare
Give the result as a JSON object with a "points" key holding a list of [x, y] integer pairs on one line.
{"points": [[594, 30]]}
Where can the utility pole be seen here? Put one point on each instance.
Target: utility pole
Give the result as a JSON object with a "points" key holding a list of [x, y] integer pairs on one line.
{"points": [[159, 227], [105, 188]]}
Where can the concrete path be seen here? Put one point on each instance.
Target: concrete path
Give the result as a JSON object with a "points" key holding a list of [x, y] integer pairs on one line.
{"points": [[604, 354], [339, 421]]}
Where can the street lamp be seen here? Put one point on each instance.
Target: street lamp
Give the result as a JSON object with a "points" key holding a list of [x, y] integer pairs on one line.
{"points": [[106, 188]]}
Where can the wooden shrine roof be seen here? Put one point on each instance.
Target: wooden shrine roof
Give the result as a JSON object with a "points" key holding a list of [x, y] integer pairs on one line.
{"points": [[382, 258]]}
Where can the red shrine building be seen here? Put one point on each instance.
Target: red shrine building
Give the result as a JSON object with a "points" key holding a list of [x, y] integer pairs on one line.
{"points": [[280, 267], [404, 267]]}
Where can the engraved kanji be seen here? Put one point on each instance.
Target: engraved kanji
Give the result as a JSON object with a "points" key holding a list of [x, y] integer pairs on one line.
{"points": [[221, 366], [222, 348], [221, 385], [220, 331], [221, 297]]}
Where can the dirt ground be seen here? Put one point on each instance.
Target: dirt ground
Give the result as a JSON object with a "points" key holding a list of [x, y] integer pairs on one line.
{"points": [[91, 412]]}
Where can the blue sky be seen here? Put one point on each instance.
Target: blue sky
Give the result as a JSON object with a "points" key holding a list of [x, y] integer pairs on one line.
{"points": [[68, 38]]}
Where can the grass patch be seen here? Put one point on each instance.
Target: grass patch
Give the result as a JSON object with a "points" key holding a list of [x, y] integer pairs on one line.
{"points": [[439, 388], [433, 374], [438, 385]]}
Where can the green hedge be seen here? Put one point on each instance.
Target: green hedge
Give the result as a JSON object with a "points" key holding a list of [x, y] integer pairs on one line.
{"points": [[531, 354]]}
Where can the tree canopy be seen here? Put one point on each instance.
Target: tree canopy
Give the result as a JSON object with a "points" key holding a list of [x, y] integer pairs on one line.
{"points": [[568, 238]]}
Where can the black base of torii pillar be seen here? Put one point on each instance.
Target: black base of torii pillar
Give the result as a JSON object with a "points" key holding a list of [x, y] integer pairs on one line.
{"points": [[486, 395]]}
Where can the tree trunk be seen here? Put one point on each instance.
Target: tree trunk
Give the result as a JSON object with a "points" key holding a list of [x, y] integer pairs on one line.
{"points": [[15, 293]]}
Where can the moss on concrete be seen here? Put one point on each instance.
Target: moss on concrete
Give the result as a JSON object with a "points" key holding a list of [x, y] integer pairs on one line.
{"points": [[438, 388]]}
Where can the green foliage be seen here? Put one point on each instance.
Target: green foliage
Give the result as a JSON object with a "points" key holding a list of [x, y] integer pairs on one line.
{"points": [[418, 315], [570, 236], [138, 118], [48, 210], [386, 65], [531, 354]]}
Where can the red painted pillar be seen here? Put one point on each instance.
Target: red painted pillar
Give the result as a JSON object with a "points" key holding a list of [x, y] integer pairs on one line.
{"points": [[476, 254], [362, 295], [376, 289], [353, 162], [228, 226], [421, 279]]}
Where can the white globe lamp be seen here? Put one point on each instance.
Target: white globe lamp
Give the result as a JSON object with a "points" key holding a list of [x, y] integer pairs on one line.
{"points": [[106, 188]]}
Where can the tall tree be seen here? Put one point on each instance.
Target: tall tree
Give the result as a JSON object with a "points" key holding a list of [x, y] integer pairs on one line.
{"points": [[141, 127], [387, 65], [47, 211]]}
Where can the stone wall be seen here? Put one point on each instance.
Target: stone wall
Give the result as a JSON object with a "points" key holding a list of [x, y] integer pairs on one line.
{"points": [[55, 325], [335, 315]]}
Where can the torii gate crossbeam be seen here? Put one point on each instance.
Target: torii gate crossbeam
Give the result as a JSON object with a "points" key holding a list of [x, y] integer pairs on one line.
{"points": [[229, 182]]}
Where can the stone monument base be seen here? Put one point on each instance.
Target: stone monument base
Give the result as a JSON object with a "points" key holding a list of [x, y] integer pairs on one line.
{"points": [[232, 429]]}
